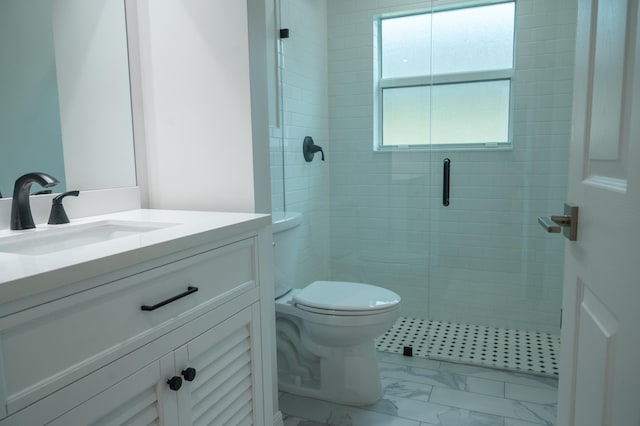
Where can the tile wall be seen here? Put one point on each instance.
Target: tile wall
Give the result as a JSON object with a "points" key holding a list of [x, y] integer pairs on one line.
{"points": [[305, 82]]}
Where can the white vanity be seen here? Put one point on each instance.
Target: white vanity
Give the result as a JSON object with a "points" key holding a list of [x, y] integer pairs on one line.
{"points": [[138, 317]]}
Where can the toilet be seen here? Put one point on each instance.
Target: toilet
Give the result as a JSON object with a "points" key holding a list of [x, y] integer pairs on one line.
{"points": [[325, 331]]}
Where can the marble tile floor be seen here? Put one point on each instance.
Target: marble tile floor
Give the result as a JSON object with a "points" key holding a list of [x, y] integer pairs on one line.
{"points": [[423, 392]]}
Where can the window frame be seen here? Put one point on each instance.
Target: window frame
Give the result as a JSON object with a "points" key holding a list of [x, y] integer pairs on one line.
{"points": [[430, 80]]}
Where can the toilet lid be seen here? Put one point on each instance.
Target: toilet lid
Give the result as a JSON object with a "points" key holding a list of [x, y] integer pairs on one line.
{"points": [[345, 296]]}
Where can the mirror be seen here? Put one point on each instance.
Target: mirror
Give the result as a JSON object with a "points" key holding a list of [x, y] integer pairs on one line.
{"points": [[65, 104]]}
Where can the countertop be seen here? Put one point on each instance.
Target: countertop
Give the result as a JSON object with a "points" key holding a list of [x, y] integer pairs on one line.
{"points": [[23, 275]]}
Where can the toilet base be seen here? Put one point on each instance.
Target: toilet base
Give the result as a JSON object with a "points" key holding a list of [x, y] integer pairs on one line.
{"points": [[347, 375]]}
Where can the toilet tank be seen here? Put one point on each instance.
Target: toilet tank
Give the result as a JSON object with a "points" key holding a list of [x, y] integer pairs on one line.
{"points": [[286, 242]]}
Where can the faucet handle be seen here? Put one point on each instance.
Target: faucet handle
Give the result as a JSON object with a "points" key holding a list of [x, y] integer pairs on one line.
{"points": [[58, 198], [309, 148], [58, 216]]}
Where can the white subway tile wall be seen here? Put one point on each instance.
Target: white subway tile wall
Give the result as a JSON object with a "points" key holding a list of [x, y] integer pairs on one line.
{"points": [[377, 217], [304, 187]]}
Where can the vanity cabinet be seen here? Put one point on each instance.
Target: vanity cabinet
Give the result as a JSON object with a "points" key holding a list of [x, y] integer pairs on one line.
{"points": [[223, 391], [178, 340]]}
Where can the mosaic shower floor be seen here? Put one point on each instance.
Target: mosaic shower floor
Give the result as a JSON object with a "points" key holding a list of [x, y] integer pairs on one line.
{"points": [[514, 350]]}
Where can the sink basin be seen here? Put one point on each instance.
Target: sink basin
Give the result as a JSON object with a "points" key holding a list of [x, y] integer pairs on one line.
{"points": [[51, 240]]}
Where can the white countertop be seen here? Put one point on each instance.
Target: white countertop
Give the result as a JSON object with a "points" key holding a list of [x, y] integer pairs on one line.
{"points": [[23, 275]]}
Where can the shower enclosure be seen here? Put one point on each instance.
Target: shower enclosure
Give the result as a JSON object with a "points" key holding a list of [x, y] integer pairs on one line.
{"points": [[398, 93]]}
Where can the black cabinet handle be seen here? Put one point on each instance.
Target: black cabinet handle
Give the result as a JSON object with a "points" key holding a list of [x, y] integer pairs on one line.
{"points": [[445, 182], [169, 300], [189, 374], [175, 383]]}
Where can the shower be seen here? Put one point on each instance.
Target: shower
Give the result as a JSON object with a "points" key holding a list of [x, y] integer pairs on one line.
{"points": [[480, 281]]}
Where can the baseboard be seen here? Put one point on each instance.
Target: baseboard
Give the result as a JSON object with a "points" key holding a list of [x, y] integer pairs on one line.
{"points": [[277, 419]]}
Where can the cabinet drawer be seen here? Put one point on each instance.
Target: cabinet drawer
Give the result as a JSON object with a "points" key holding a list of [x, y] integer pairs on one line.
{"points": [[89, 329]]}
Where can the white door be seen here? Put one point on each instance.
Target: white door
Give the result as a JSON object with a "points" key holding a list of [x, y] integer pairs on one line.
{"points": [[600, 361]]}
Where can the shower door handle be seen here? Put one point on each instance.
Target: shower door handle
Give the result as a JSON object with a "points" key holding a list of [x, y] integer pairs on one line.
{"points": [[445, 181], [567, 223]]}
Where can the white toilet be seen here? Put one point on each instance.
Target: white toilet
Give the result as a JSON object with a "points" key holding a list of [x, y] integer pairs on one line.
{"points": [[325, 331]]}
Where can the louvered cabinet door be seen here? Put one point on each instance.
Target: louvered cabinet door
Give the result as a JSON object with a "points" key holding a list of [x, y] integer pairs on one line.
{"points": [[140, 399], [228, 375]]}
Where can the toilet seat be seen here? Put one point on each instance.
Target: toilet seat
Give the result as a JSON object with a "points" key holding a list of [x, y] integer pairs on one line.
{"points": [[345, 298], [344, 313]]}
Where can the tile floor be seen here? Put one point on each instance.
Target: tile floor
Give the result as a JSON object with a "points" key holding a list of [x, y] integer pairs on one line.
{"points": [[503, 348], [424, 392]]}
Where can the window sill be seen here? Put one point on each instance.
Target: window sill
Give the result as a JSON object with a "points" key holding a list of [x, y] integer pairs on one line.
{"points": [[443, 148]]}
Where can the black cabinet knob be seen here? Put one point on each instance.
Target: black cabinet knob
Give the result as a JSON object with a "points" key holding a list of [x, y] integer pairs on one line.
{"points": [[189, 374], [175, 383]]}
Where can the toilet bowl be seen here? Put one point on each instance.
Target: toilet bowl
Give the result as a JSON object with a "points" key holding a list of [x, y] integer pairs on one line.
{"points": [[325, 331]]}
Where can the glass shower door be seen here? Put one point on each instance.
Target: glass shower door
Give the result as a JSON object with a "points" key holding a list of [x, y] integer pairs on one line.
{"points": [[495, 277], [366, 207]]}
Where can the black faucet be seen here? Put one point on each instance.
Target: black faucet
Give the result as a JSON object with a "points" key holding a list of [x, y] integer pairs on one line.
{"points": [[21, 217]]}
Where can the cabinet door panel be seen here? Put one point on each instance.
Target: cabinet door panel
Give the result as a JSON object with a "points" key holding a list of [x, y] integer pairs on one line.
{"points": [[223, 391], [136, 400]]}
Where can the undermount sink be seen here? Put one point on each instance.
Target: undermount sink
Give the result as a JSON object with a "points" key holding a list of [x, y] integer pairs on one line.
{"points": [[51, 240]]}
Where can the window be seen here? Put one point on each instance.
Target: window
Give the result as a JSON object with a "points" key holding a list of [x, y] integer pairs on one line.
{"points": [[444, 78]]}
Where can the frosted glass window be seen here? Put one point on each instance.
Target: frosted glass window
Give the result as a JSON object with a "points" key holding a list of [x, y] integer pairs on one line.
{"points": [[444, 77], [473, 39], [406, 46], [470, 113], [467, 113], [406, 113], [463, 40]]}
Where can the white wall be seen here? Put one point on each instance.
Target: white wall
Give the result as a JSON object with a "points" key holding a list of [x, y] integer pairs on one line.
{"points": [[194, 65], [304, 69], [483, 259], [261, 60]]}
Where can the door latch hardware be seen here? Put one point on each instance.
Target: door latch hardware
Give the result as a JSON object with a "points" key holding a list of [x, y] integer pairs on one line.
{"points": [[567, 223]]}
